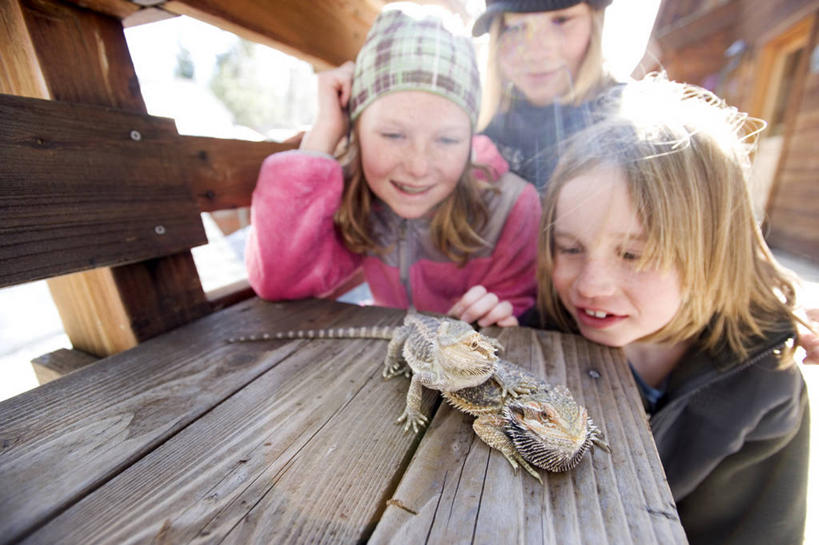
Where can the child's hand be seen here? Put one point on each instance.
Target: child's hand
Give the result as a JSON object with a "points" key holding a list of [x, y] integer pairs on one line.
{"points": [[334, 88], [479, 304], [810, 340]]}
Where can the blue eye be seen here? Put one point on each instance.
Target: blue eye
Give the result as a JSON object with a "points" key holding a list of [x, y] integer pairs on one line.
{"points": [[630, 256], [561, 20], [568, 250], [392, 135], [449, 140], [512, 29]]}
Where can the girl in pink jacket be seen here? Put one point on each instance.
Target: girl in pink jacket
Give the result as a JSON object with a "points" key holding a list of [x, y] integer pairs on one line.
{"points": [[403, 203]]}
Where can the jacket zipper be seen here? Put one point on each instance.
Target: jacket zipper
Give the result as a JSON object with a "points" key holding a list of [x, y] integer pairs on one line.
{"points": [[403, 262]]}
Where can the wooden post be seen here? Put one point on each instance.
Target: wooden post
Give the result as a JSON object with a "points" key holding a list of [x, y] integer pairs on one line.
{"points": [[63, 52]]}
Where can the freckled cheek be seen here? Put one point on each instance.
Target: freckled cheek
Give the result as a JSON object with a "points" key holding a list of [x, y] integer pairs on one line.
{"points": [[563, 277], [658, 296], [378, 164], [449, 166]]}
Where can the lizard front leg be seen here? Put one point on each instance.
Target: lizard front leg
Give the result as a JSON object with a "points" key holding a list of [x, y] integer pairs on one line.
{"points": [[489, 428], [412, 411], [512, 382], [394, 363]]}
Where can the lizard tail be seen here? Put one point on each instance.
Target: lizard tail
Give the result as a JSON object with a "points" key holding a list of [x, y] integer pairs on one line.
{"points": [[383, 332]]}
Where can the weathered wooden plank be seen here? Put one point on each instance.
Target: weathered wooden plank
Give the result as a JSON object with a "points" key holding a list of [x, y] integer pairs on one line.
{"points": [[59, 363], [115, 8], [66, 53], [68, 437], [84, 187], [273, 463], [223, 172], [19, 70], [325, 33], [82, 55], [456, 490]]}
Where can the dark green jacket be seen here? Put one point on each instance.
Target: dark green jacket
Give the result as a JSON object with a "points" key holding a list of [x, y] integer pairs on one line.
{"points": [[734, 445]]}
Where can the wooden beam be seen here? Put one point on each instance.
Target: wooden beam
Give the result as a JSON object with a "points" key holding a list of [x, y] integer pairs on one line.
{"points": [[777, 215], [698, 25], [223, 172], [325, 33], [81, 54], [83, 187], [20, 71], [82, 57], [59, 363], [119, 9]]}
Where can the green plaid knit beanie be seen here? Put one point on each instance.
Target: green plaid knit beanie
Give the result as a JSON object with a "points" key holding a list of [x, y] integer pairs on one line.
{"points": [[407, 53]]}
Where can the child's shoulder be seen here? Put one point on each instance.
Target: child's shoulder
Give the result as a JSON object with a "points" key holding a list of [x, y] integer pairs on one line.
{"points": [[486, 154]]}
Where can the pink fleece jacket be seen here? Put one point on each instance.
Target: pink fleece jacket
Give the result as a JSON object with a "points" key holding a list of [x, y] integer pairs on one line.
{"points": [[294, 251]]}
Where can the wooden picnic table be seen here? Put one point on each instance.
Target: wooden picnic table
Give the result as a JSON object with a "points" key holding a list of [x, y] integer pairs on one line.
{"points": [[189, 439]]}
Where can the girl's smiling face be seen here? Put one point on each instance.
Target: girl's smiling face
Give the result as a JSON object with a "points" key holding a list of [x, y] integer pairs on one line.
{"points": [[541, 53], [598, 240], [414, 148]]}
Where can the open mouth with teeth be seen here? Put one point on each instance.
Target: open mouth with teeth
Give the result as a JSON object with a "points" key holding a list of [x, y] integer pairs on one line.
{"points": [[410, 190], [597, 318]]}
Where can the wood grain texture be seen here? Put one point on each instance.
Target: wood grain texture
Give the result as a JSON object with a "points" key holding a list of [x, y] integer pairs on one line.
{"points": [[78, 191], [325, 33], [64, 439], [457, 490], [281, 461], [119, 9], [82, 55], [187, 439], [223, 172], [78, 55], [19, 70], [59, 363]]}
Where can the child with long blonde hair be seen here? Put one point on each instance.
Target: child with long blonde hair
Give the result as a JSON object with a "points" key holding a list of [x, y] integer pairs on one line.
{"points": [[650, 244], [404, 203], [545, 70]]}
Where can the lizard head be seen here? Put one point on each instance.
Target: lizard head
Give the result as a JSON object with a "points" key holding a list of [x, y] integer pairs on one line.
{"points": [[456, 334], [552, 432], [465, 353]]}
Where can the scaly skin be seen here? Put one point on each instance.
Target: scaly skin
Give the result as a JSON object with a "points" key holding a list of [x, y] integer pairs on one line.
{"points": [[545, 427], [445, 355], [438, 353]]}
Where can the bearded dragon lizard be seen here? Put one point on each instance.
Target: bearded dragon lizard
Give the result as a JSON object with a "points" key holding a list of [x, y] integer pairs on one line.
{"points": [[545, 427], [530, 422], [440, 353]]}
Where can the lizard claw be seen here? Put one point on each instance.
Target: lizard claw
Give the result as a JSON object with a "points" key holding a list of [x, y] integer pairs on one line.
{"points": [[506, 392], [525, 465], [414, 420], [395, 370]]}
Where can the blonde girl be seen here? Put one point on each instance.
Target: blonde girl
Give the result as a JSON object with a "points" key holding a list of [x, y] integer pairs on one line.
{"points": [[545, 69], [650, 245]]}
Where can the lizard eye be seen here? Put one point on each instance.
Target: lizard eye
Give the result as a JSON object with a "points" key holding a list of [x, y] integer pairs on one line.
{"points": [[548, 415], [474, 345]]}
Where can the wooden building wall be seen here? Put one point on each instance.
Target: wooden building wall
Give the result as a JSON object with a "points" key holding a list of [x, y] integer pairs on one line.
{"points": [[692, 37], [793, 209]]}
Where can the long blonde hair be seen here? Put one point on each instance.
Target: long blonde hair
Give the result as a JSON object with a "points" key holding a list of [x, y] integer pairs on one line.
{"points": [[591, 78], [455, 225], [685, 156]]}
